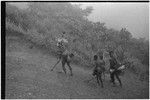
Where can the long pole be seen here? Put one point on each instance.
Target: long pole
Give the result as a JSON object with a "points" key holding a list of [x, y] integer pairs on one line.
{"points": [[55, 65]]}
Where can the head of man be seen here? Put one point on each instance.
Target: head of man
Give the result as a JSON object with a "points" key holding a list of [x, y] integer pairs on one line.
{"points": [[71, 55], [101, 57], [95, 57]]}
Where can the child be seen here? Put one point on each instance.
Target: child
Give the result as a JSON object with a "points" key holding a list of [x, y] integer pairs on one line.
{"points": [[99, 69]]}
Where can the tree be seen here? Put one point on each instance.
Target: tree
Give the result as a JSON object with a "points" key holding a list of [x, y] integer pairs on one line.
{"points": [[46, 21]]}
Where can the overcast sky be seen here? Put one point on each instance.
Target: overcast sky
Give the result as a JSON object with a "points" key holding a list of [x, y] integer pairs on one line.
{"points": [[133, 16]]}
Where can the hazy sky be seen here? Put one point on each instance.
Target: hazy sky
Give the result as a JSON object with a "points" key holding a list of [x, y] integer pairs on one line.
{"points": [[133, 16]]}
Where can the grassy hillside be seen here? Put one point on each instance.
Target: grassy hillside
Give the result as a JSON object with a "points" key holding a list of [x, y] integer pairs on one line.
{"points": [[42, 23], [28, 76]]}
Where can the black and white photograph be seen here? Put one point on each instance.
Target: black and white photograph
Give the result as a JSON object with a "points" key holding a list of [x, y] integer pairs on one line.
{"points": [[75, 50]]}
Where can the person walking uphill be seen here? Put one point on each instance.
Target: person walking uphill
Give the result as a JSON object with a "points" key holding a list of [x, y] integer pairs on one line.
{"points": [[61, 44], [113, 68], [64, 55], [99, 69]]}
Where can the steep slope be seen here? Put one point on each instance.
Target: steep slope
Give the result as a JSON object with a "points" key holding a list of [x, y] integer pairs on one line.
{"points": [[28, 75]]}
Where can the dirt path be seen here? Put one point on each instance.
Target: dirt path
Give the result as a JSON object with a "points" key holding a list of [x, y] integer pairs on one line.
{"points": [[28, 76]]}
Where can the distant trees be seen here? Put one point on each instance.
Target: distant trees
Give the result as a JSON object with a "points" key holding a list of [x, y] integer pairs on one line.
{"points": [[45, 21]]}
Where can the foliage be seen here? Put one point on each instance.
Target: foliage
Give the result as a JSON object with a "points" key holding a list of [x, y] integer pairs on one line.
{"points": [[43, 22]]}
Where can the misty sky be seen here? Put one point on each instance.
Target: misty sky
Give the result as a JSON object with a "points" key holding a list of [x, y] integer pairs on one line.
{"points": [[133, 16]]}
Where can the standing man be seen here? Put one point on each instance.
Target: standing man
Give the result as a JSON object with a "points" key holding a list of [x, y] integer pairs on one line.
{"points": [[113, 68], [98, 69], [62, 47], [64, 55]]}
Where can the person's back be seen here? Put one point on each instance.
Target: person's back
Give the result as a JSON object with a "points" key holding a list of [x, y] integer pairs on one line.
{"points": [[99, 66], [62, 44], [98, 70]]}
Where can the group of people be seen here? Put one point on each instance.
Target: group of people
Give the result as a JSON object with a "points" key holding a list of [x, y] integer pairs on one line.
{"points": [[100, 68], [65, 57]]}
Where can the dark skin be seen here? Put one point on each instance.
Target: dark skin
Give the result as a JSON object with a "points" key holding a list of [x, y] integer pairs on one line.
{"points": [[99, 78], [64, 60], [60, 56], [98, 72], [115, 72]]}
